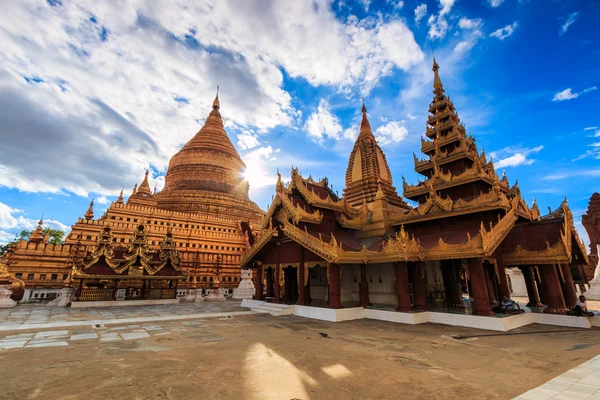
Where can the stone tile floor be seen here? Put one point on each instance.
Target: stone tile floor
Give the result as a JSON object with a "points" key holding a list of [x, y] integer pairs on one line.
{"points": [[31, 316], [63, 338], [581, 382]]}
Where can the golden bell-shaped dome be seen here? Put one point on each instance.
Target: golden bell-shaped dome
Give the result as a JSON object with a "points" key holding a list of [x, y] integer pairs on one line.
{"points": [[207, 172]]}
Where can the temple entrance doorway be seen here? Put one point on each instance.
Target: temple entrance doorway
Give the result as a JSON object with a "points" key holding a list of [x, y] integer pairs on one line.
{"points": [[317, 286], [290, 285]]}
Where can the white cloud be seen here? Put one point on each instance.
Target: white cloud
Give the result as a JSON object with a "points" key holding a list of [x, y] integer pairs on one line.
{"points": [[505, 32], [323, 124], [438, 26], [411, 117], [513, 157], [568, 94], [557, 176], [12, 221], [246, 140], [140, 77], [398, 4], [466, 23], [392, 132], [420, 12], [365, 4], [590, 128], [6, 237], [495, 3], [570, 20]]}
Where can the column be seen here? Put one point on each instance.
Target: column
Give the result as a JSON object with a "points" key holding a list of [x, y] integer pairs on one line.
{"points": [[489, 283], [258, 284], [568, 286], [300, 273], [540, 287], [334, 286], [551, 283], [418, 285], [402, 287], [453, 297], [504, 288], [270, 282], [363, 287], [276, 286], [528, 275], [479, 290]]}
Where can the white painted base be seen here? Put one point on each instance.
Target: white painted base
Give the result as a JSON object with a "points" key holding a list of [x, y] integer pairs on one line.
{"points": [[503, 324], [92, 304], [243, 293], [5, 300], [329, 314], [215, 295]]}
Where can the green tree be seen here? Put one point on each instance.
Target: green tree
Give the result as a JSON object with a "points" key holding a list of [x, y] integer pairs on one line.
{"points": [[56, 236], [4, 248], [24, 234]]}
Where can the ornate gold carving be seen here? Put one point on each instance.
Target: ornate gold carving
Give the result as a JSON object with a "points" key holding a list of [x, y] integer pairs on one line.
{"points": [[259, 243], [494, 237], [550, 255]]}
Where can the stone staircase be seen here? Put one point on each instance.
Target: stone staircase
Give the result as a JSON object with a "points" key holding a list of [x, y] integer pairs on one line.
{"points": [[274, 308]]}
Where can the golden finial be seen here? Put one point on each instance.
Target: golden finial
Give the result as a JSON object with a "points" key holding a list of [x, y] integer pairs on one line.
{"points": [[216, 103], [89, 214], [365, 126]]}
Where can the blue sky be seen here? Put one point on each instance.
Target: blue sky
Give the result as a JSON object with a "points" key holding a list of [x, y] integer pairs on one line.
{"points": [[93, 94]]}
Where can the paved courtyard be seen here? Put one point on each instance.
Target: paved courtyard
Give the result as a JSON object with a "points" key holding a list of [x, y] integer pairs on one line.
{"points": [[222, 351]]}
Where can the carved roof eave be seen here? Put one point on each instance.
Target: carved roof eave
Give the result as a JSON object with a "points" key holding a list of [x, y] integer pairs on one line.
{"points": [[484, 202], [345, 222], [492, 239], [297, 182], [261, 241], [405, 219], [550, 255], [411, 191], [428, 164], [296, 213]]}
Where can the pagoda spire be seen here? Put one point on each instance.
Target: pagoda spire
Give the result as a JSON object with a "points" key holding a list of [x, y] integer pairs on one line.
{"points": [[365, 126], [134, 192], [37, 236], [145, 186], [89, 214], [120, 199], [215, 115], [438, 88]]}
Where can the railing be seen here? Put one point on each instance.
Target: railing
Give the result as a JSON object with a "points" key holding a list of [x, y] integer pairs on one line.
{"points": [[162, 294], [96, 295]]}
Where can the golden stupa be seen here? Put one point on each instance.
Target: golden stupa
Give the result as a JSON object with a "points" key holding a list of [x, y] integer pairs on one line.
{"points": [[203, 204], [207, 174]]}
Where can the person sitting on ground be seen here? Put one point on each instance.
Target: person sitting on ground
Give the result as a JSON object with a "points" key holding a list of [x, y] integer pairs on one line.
{"points": [[509, 306], [580, 308]]}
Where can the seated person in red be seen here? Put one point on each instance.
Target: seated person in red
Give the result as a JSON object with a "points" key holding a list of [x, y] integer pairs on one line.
{"points": [[580, 308], [509, 306]]}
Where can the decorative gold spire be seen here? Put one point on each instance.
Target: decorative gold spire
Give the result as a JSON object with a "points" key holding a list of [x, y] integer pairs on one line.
{"points": [[89, 214], [437, 82], [215, 116], [216, 103], [37, 235], [145, 186], [134, 192], [365, 126], [120, 199]]}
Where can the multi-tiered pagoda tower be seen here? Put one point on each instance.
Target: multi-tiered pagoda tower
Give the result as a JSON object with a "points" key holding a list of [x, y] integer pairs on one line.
{"points": [[202, 206], [466, 227]]}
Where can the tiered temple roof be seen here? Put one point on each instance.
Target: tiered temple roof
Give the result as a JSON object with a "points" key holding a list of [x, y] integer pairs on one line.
{"points": [[464, 210], [367, 168]]}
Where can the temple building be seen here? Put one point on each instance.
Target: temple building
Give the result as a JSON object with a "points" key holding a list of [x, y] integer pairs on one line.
{"points": [[204, 211], [372, 248], [591, 223]]}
